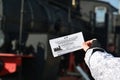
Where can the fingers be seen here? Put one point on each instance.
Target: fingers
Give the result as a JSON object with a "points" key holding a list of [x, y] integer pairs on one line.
{"points": [[86, 45], [89, 42]]}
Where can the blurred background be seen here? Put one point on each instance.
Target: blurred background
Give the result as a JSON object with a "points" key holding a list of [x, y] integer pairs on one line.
{"points": [[26, 26]]}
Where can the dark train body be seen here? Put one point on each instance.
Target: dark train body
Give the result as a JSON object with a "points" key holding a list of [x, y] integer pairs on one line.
{"points": [[34, 17]]}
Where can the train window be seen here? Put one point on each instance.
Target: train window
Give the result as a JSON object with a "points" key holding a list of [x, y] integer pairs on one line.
{"points": [[100, 12]]}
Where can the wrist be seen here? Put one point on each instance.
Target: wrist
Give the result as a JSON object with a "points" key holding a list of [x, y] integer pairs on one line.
{"points": [[85, 49]]}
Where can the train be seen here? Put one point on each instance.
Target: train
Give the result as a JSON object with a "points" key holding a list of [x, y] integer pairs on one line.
{"points": [[26, 24]]}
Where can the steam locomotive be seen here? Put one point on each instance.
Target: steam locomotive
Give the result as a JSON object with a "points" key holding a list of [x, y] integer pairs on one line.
{"points": [[19, 19]]}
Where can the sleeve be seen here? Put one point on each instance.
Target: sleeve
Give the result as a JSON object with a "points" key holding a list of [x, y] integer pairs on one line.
{"points": [[102, 65], [96, 53]]}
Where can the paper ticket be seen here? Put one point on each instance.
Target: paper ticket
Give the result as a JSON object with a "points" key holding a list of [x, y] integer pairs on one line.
{"points": [[66, 44]]}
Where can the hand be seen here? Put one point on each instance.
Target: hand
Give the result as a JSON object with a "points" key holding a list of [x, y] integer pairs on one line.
{"points": [[86, 45]]}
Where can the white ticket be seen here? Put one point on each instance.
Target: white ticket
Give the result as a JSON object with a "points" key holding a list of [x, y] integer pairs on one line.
{"points": [[66, 44]]}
